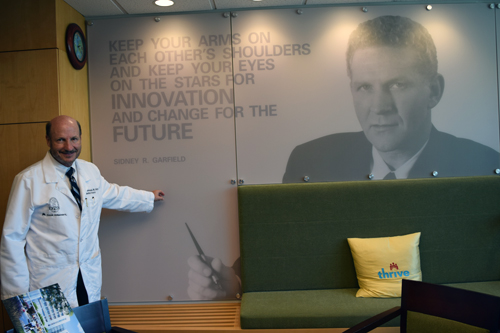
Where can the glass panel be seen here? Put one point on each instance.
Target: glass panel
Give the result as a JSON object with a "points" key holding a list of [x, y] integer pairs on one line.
{"points": [[156, 88], [293, 87]]}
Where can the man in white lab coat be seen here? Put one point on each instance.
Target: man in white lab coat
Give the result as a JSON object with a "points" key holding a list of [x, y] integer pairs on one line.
{"points": [[50, 234]]}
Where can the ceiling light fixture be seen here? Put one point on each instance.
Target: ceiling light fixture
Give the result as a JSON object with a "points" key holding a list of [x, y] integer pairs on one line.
{"points": [[164, 3]]}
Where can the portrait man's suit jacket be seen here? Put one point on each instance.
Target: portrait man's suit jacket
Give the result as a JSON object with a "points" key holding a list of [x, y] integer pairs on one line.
{"points": [[348, 156]]}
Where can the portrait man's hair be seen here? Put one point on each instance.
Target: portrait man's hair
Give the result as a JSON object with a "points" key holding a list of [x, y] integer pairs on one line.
{"points": [[394, 31]]}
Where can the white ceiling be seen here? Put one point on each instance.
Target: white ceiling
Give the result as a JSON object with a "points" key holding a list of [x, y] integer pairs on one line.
{"points": [[99, 8]]}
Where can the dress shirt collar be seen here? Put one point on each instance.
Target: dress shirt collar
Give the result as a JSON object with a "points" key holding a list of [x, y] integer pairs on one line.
{"points": [[380, 168]]}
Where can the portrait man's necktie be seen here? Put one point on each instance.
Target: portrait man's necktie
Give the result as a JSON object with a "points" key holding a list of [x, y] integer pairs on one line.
{"points": [[75, 190]]}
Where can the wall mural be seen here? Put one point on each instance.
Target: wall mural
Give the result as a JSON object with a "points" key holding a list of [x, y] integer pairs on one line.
{"points": [[195, 104]]}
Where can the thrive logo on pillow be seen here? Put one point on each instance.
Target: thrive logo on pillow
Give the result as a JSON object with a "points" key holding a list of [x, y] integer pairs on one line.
{"points": [[393, 275], [381, 264]]}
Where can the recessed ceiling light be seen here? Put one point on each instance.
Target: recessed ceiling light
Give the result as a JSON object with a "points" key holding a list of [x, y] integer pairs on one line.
{"points": [[164, 3]]}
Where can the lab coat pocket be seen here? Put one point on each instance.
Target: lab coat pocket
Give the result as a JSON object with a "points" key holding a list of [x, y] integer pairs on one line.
{"points": [[91, 201], [93, 209]]}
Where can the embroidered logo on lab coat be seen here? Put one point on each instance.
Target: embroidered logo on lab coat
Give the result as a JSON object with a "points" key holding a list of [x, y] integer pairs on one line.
{"points": [[53, 208], [53, 205]]}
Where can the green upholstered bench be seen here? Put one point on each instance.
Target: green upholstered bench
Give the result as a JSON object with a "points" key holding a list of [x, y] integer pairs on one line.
{"points": [[296, 266]]}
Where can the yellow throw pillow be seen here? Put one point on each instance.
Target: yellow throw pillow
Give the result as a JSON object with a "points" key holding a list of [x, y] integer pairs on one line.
{"points": [[381, 264]]}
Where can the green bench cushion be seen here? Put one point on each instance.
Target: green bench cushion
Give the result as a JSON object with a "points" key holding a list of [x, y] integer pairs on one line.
{"points": [[324, 308], [310, 308]]}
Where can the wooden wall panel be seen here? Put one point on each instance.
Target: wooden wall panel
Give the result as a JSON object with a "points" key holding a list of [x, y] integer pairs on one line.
{"points": [[21, 145], [27, 25], [28, 86]]}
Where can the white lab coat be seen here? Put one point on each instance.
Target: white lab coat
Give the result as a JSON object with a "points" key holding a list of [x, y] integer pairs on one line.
{"points": [[46, 239]]}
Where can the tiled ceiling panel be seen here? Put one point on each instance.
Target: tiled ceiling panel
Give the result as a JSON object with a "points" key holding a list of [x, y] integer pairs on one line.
{"points": [[331, 2], [239, 4], [98, 8], [95, 7], [148, 6]]}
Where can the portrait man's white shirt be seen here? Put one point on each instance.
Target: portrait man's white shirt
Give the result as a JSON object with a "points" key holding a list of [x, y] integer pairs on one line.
{"points": [[380, 168]]}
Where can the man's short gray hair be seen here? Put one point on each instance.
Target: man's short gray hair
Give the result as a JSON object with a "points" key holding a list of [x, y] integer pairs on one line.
{"points": [[394, 31]]}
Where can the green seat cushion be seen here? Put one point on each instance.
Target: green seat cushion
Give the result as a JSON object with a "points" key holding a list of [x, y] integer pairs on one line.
{"points": [[310, 308], [325, 308]]}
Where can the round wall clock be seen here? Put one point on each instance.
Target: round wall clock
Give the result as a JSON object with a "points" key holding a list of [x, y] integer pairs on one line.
{"points": [[76, 46]]}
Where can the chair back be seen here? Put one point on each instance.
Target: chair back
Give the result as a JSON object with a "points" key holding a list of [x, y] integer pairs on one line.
{"points": [[94, 317], [438, 308]]}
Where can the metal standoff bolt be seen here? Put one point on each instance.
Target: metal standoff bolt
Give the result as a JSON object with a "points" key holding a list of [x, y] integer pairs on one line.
{"points": [[428, 7], [364, 9], [299, 11], [434, 173], [497, 171], [90, 23], [233, 181], [371, 176], [492, 6], [306, 178], [169, 298], [498, 5], [234, 14], [157, 19], [238, 296], [226, 14], [241, 181]]}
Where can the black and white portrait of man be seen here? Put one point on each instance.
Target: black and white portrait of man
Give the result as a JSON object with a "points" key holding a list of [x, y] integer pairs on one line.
{"points": [[394, 82]]}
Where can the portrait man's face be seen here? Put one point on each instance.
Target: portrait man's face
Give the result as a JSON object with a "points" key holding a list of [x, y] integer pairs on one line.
{"points": [[392, 97]]}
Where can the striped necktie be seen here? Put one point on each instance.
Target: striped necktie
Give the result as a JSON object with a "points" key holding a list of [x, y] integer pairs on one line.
{"points": [[75, 190]]}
